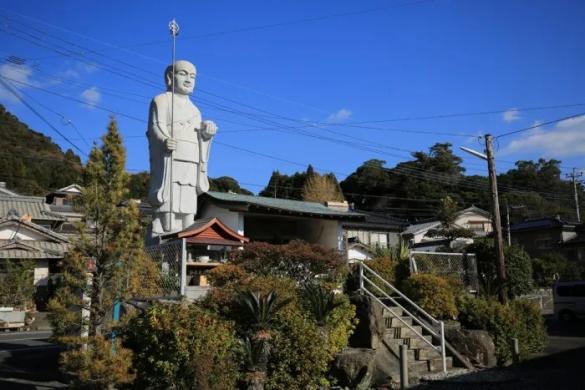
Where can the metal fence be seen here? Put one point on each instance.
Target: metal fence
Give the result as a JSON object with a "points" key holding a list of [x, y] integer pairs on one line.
{"points": [[169, 257], [460, 265]]}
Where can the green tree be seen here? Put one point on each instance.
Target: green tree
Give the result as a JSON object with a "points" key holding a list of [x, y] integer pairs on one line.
{"points": [[447, 214], [288, 186], [518, 269], [398, 188], [16, 283], [110, 240], [138, 185], [181, 346], [31, 163], [227, 184]]}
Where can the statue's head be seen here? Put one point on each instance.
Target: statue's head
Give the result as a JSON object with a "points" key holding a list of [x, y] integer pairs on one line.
{"points": [[184, 77]]}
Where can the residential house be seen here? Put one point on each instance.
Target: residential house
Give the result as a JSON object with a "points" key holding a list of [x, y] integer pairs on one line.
{"points": [[472, 218], [376, 230], [279, 221], [61, 202], [550, 235], [29, 230]]}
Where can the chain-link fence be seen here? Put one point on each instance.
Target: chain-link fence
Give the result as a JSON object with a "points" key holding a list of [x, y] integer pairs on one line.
{"points": [[460, 265], [168, 257]]}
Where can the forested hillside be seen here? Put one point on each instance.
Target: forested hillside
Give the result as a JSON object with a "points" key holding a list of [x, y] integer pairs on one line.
{"points": [[30, 162], [412, 189]]}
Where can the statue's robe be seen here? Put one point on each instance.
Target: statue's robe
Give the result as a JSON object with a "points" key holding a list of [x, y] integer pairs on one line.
{"points": [[187, 169]]}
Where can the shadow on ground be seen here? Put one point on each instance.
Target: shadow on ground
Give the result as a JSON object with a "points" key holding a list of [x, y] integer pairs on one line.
{"points": [[561, 366], [26, 367]]}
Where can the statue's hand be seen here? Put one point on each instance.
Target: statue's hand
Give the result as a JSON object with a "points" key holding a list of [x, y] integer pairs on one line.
{"points": [[209, 128], [171, 144]]}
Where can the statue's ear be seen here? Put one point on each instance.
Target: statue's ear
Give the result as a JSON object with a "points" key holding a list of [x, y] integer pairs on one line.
{"points": [[168, 79], [168, 76]]}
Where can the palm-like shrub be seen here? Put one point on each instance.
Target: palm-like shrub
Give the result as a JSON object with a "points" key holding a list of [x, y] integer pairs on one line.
{"points": [[319, 302], [260, 309]]}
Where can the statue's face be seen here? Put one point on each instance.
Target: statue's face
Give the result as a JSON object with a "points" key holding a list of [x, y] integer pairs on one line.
{"points": [[184, 78]]}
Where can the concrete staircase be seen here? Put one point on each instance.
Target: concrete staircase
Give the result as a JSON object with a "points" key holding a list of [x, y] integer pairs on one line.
{"points": [[422, 358]]}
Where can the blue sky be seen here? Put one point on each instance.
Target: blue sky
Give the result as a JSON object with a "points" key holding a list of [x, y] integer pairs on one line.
{"points": [[278, 77]]}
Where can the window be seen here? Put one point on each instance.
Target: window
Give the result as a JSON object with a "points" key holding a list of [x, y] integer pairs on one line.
{"points": [[476, 226], [369, 238]]}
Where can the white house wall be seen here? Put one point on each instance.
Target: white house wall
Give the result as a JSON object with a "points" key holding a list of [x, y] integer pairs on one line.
{"points": [[10, 233], [233, 219], [357, 254], [41, 274], [323, 231], [465, 219]]}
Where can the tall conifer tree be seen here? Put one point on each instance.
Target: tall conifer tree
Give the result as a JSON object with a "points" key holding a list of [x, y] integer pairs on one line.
{"points": [[109, 247]]}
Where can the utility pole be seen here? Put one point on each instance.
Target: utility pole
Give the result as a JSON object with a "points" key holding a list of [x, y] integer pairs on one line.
{"points": [[509, 234], [574, 177], [496, 222]]}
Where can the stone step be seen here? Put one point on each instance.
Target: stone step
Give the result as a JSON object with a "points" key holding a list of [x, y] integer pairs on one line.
{"points": [[417, 343], [394, 322], [436, 364], [421, 367], [404, 332], [396, 312], [426, 353], [412, 342]]}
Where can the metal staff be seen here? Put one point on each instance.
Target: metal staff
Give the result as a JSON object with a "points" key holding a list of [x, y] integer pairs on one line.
{"points": [[174, 29]]}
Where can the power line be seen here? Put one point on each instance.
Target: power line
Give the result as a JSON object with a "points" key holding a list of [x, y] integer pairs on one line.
{"points": [[63, 118], [428, 176], [39, 115], [345, 135], [409, 171], [373, 148], [99, 107], [350, 124], [541, 124]]}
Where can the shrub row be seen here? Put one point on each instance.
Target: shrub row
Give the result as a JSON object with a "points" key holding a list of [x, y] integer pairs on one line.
{"points": [[519, 319]]}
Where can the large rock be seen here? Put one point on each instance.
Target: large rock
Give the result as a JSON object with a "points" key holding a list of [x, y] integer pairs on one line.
{"points": [[475, 345], [354, 367], [370, 328]]}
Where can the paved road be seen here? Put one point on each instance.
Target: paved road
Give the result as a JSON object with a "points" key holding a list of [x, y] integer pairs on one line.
{"points": [[28, 361], [561, 366]]}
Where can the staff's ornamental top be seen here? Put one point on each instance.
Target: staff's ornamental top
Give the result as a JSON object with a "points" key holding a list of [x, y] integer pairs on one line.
{"points": [[174, 28]]}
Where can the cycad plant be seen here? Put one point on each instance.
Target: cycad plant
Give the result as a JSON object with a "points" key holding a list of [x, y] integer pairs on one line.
{"points": [[260, 310], [319, 302]]}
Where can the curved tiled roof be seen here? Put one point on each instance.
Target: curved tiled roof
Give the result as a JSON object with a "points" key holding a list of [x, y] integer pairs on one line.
{"points": [[31, 205], [297, 207]]}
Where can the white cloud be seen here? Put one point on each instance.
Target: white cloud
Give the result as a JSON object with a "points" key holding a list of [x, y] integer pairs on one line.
{"points": [[511, 115], [88, 68], [14, 74], [566, 139], [70, 74], [339, 116], [92, 96]]}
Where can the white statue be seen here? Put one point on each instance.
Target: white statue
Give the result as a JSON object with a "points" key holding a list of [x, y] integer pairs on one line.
{"points": [[178, 153]]}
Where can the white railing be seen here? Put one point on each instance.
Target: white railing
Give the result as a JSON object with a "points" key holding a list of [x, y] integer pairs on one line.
{"points": [[435, 327]]}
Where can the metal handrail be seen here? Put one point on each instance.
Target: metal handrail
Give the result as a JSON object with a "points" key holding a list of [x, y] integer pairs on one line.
{"points": [[417, 307], [409, 314], [401, 320], [440, 334]]}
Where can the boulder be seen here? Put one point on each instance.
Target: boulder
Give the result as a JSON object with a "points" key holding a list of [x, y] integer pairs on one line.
{"points": [[353, 368], [475, 345], [370, 328]]}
